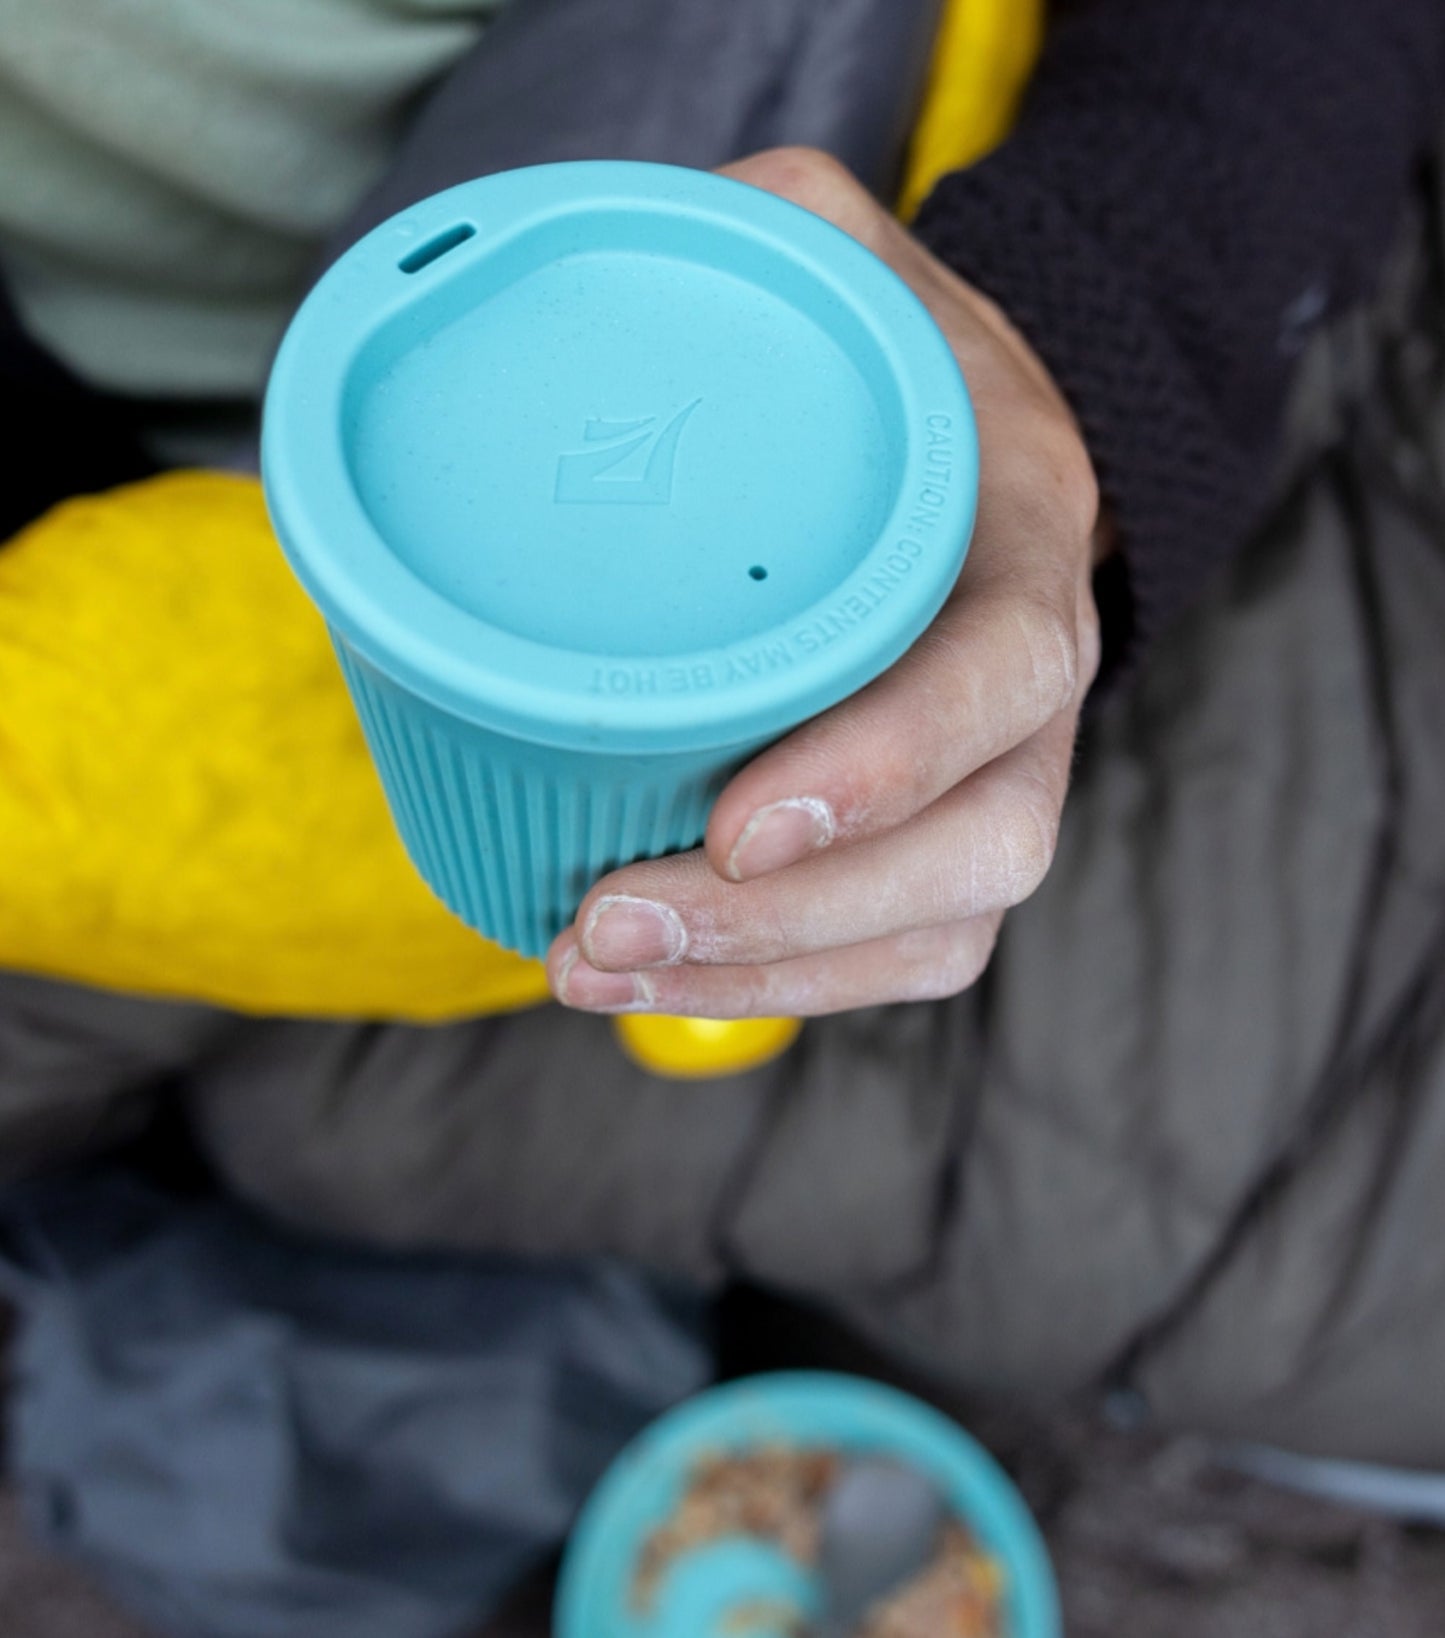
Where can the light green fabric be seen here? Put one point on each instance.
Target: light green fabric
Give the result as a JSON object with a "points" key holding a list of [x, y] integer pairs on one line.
{"points": [[170, 168]]}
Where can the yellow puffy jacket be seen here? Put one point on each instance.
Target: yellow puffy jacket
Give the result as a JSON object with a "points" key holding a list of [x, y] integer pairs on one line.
{"points": [[187, 807]]}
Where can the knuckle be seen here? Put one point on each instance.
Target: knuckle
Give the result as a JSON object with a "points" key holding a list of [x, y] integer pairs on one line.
{"points": [[1029, 838], [804, 168], [749, 993], [1050, 643], [1075, 481], [766, 932], [1091, 644], [809, 177], [943, 962], [1051, 476]]}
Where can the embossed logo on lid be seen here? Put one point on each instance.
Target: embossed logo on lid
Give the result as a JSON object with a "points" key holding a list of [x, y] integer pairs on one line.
{"points": [[590, 477]]}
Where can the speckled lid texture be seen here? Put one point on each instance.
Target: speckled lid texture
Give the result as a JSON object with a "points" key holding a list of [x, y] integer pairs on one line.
{"points": [[624, 457]]}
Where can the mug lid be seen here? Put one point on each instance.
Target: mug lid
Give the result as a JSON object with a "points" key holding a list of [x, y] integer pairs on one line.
{"points": [[620, 456]]}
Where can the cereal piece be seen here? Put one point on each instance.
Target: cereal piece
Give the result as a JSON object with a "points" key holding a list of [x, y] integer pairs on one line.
{"points": [[776, 1495]]}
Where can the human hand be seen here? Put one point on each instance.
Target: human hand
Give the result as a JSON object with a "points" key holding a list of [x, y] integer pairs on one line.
{"points": [[870, 856]]}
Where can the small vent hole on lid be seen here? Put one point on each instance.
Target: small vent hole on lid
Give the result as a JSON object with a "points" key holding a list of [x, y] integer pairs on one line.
{"points": [[436, 247], [758, 572]]}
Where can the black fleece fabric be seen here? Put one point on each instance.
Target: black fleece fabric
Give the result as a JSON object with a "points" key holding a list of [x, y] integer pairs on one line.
{"points": [[1192, 187]]}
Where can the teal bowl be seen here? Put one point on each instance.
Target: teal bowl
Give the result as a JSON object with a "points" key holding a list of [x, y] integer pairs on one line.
{"points": [[703, 1593]]}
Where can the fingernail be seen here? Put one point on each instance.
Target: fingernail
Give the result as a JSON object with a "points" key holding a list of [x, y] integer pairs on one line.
{"points": [[781, 834], [625, 932], [579, 985]]}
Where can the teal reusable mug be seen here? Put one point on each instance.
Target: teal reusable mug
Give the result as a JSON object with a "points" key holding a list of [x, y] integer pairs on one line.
{"points": [[604, 477]]}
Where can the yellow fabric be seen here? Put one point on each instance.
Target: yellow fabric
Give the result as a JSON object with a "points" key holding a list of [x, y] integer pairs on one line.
{"points": [[986, 52], [696, 1049], [187, 807]]}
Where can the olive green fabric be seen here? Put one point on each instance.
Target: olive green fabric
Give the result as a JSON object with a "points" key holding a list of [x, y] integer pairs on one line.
{"points": [[171, 168]]}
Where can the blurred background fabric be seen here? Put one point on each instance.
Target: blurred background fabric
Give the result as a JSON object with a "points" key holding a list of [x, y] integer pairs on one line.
{"points": [[252, 1435]]}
